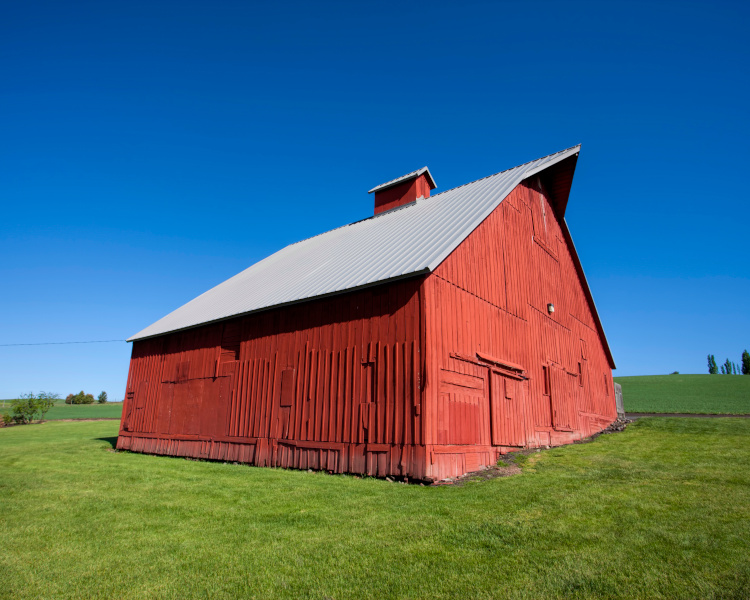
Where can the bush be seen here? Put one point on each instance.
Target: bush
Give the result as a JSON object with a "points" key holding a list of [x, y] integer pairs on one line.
{"points": [[102, 398], [79, 398], [25, 409], [7, 419]]}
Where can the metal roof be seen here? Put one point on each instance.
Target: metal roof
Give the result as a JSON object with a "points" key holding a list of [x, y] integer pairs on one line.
{"points": [[402, 242], [412, 175]]}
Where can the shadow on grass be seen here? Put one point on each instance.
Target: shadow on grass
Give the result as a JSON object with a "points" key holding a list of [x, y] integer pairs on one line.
{"points": [[112, 441]]}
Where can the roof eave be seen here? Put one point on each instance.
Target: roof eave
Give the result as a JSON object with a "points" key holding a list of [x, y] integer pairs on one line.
{"points": [[587, 291]]}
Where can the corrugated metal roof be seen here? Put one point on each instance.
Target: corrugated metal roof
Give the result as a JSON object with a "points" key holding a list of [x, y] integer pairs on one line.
{"points": [[412, 175], [406, 241]]}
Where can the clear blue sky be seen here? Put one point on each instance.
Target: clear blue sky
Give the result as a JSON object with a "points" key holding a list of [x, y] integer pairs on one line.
{"points": [[151, 150]]}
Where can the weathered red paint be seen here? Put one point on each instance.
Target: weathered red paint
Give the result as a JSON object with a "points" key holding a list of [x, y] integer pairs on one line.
{"points": [[401, 194], [426, 378]]}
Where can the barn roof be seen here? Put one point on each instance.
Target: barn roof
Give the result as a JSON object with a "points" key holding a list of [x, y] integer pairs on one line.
{"points": [[402, 242]]}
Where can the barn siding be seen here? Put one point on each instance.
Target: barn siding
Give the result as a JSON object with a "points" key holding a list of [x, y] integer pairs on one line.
{"points": [[427, 378], [329, 384], [490, 296]]}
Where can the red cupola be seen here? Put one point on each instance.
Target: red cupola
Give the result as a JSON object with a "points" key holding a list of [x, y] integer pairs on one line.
{"points": [[403, 190]]}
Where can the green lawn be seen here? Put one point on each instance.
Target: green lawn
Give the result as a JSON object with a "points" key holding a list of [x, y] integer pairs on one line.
{"points": [[111, 410], [661, 510], [712, 394]]}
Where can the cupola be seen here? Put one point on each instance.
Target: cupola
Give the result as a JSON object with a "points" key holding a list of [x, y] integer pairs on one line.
{"points": [[403, 190]]}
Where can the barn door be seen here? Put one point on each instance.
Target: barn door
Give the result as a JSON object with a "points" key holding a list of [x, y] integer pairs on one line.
{"points": [[136, 402], [282, 429], [561, 399], [507, 411], [164, 415], [368, 408], [215, 406], [463, 412]]}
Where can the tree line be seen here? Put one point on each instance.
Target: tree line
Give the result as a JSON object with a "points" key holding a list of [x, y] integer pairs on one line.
{"points": [[729, 367]]}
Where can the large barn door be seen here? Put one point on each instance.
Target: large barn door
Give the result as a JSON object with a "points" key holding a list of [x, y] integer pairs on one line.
{"points": [[463, 411], [507, 411]]}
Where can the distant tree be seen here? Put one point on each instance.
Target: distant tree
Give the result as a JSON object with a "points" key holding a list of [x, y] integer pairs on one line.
{"points": [[102, 398], [46, 400], [723, 370], [712, 368], [79, 398], [746, 363], [727, 366]]}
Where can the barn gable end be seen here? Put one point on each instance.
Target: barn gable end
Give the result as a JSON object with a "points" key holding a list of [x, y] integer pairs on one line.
{"points": [[487, 308], [431, 362]]}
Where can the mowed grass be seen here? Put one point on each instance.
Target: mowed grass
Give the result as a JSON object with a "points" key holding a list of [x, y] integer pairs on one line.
{"points": [[710, 394], [111, 410], [661, 510]]}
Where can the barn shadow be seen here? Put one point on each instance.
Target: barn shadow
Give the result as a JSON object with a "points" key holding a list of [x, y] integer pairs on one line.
{"points": [[112, 441]]}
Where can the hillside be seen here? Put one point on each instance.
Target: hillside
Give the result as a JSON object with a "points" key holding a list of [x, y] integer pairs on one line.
{"points": [[711, 394]]}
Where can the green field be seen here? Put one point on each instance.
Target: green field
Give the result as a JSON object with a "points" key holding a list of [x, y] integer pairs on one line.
{"points": [[710, 394], [111, 410], [661, 510]]}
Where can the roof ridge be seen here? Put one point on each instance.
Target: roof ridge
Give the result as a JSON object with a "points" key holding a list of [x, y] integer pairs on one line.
{"points": [[505, 170], [411, 204]]}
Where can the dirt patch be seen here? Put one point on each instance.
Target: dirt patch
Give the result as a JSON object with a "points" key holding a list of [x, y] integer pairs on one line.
{"points": [[507, 464], [505, 467], [618, 425]]}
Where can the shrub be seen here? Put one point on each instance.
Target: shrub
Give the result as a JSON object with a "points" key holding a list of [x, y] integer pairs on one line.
{"points": [[25, 409], [7, 419], [79, 398], [102, 398]]}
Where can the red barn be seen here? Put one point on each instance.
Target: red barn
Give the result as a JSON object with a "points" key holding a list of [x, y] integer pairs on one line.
{"points": [[422, 342]]}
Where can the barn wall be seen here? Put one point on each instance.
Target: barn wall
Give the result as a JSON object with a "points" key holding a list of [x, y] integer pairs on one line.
{"points": [[328, 384], [490, 297]]}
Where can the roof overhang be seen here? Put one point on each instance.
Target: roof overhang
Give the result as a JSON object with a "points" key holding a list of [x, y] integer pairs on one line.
{"points": [[557, 178]]}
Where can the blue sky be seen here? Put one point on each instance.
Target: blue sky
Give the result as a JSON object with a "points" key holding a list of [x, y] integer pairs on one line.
{"points": [[152, 150]]}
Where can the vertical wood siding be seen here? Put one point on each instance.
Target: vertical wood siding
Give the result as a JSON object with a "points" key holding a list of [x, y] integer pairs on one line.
{"points": [[329, 384], [490, 296]]}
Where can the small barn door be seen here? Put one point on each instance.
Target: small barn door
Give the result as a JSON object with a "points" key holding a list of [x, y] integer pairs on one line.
{"points": [[215, 406], [507, 411], [164, 416], [286, 405], [369, 406], [561, 399]]}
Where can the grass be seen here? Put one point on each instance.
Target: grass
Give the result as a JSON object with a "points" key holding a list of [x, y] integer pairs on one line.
{"points": [[710, 394], [111, 410], [661, 510]]}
